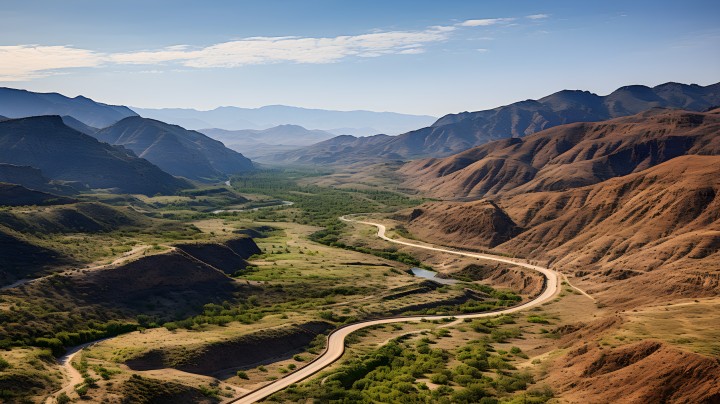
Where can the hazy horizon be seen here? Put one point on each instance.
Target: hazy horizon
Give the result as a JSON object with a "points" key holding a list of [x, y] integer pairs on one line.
{"points": [[425, 58]]}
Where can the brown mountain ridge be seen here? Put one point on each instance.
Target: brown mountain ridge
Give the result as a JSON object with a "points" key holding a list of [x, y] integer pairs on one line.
{"points": [[568, 156], [454, 133]]}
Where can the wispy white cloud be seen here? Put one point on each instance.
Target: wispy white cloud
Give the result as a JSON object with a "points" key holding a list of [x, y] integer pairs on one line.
{"points": [[26, 62], [485, 22], [412, 51], [264, 50], [537, 16]]}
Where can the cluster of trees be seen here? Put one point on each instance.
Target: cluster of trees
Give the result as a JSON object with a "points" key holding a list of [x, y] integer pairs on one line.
{"points": [[319, 206], [63, 339], [220, 314], [48, 318], [400, 370], [330, 236]]}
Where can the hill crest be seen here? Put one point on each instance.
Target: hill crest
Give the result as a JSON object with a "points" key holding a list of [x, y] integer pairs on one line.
{"points": [[455, 133], [175, 149], [568, 156], [62, 153], [18, 103]]}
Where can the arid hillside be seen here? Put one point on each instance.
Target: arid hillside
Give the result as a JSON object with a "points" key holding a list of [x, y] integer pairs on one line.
{"points": [[568, 156], [656, 231], [629, 206], [629, 210], [482, 223], [650, 371]]}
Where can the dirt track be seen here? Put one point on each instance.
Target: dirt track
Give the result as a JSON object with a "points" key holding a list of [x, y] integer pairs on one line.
{"points": [[74, 375]]}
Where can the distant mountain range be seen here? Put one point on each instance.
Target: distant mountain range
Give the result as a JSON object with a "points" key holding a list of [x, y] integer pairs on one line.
{"points": [[63, 153], [174, 149], [291, 135], [457, 132], [343, 149], [254, 142], [16, 103], [568, 156], [234, 118]]}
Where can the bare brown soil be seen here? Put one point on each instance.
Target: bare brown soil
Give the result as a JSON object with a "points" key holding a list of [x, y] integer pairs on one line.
{"points": [[511, 277], [628, 209], [630, 240], [644, 372], [245, 247], [472, 224]]}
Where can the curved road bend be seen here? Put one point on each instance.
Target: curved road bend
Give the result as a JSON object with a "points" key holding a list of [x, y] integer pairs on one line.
{"points": [[336, 340]]}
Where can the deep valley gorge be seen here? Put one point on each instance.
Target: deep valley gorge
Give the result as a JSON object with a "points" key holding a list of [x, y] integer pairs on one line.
{"points": [[384, 202]]}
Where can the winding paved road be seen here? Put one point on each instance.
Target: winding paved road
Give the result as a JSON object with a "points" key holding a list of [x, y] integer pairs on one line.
{"points": [[336, 340]]}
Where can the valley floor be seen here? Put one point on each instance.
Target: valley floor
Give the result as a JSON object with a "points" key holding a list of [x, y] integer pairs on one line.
{"points": [[242, 299]]}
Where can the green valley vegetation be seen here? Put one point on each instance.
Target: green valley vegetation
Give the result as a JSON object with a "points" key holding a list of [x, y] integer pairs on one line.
{"points": [[316, 205], [53, 314], [423, 369], [321, 206], [299, 274]]}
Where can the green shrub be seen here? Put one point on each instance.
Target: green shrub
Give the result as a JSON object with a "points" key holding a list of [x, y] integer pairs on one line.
{"points": [[55, 345], [502, 335], [439, 378], [81, 390], [89, 381], [537, 320], [209, 391]]}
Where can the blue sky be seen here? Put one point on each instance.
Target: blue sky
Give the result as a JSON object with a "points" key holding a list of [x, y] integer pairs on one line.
{"points": [[423, 57]]}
